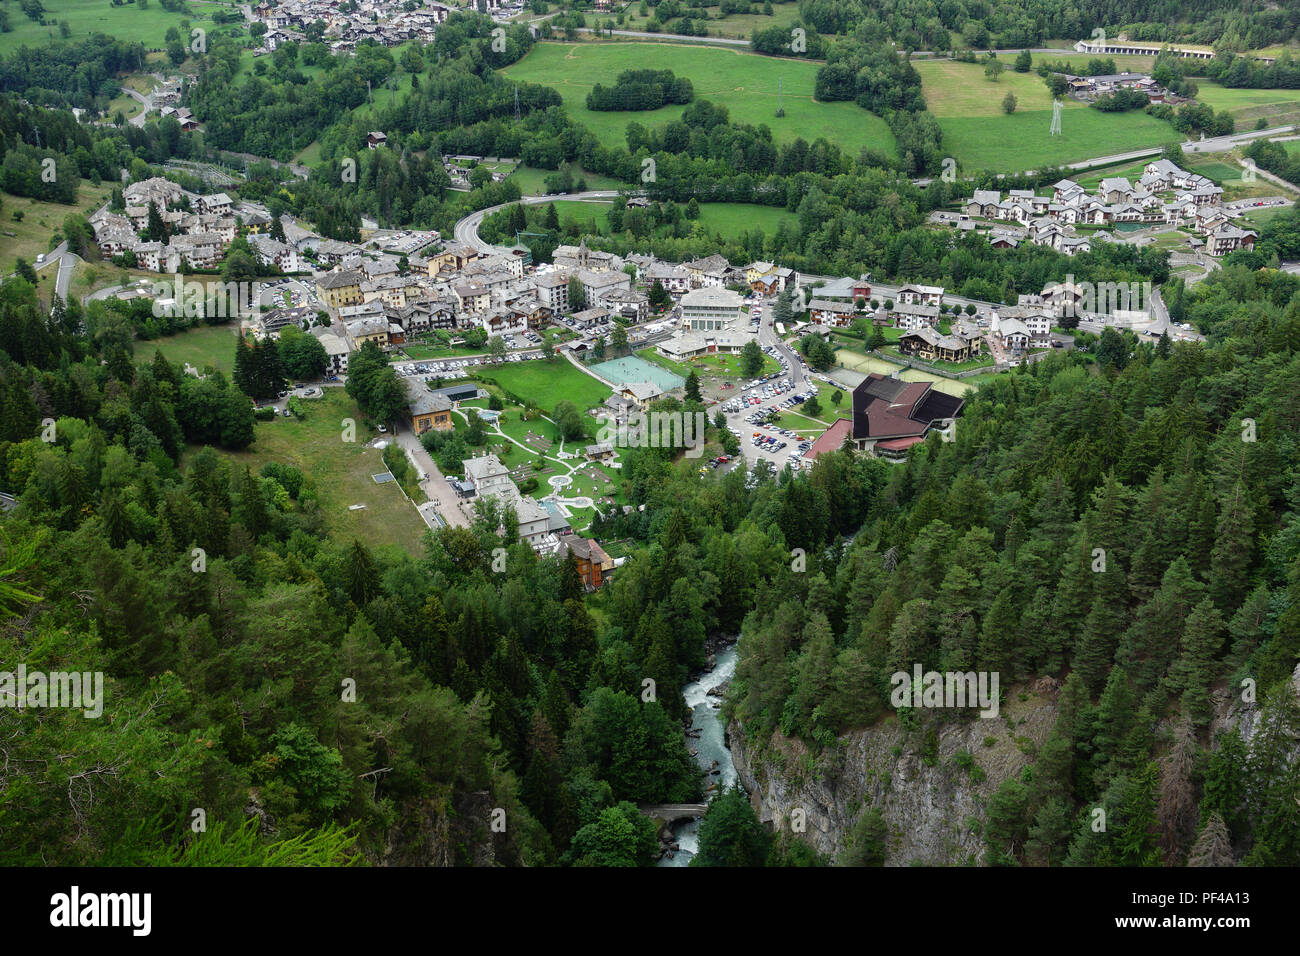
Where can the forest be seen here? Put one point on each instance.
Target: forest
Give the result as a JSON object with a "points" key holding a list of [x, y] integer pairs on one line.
{"points": [[479, 690]]}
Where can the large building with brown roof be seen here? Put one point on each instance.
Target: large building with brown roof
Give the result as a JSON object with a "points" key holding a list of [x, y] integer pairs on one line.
{"points": [[890, 415]]}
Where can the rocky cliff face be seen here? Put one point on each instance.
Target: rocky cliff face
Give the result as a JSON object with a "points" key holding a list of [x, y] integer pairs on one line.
{"points": [[922, 782], [456, 832], [931, 785]]}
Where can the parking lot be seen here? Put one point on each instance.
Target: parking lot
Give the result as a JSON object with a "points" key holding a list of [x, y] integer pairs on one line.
{"points": [[749, 411]]}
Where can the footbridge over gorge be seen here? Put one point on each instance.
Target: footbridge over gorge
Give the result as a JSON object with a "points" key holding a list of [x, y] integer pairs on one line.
{"points": [[672, 812]]}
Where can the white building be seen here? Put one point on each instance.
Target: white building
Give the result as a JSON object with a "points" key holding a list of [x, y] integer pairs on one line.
{"points": [[710, 310]]}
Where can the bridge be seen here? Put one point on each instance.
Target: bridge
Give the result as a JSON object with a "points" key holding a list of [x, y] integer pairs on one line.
{"points": [[672, 812]]}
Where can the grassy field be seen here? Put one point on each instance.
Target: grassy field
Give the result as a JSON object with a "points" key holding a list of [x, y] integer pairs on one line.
{"points": [[206, 345], [86, 17], [532, 181], [1132, 64], [548, 383], [744, 82], [1276, 107], [961, 89], [1261, 217], [729, 220], [980, 136], [736, 26], [1022, 140], [734, 219], [580, 211], [717, 366], [341, 472], [40, 220]]}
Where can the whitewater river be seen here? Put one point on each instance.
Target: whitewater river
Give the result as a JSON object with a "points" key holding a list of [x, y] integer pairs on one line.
{"points": [[711, 744]]}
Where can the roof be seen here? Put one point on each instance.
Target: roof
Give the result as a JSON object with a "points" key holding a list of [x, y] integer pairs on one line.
{"points": [[485, 466], [891, 408], [831, 439], [422, 401], [642, 391], [340, 280], [823, 305], [590, 550], [711, 298]]}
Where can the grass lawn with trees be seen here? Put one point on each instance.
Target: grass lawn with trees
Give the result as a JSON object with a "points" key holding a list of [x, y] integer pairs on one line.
{"points": [[720, 366], [40, 220], [1247, 106], [1021, 140], [735, 26], [532, 181], [746, 83], [980, 135], [341, 472], [200, 346], [547, 383], [729, 220], [87, 17]]}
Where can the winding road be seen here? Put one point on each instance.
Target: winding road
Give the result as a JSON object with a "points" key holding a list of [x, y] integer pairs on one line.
{"points": [[466, 230]]}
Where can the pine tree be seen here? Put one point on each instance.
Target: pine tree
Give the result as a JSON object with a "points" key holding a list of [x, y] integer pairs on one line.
{"points": [[1135, 837], [1233, 550], [1102, 627], [1177, 807], [693, 387], [1212, 847], [1192, 674], [360, 576]]}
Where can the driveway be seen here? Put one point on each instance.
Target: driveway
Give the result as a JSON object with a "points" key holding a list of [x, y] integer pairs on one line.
{"points": [[434, 485]]}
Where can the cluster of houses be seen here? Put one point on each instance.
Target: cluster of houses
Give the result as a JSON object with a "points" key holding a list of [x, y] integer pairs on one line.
{"points": [[1165, 194], [1088, 88], [458, 288], [841, 303], [199, 227], [917, 309], [386, 22]]}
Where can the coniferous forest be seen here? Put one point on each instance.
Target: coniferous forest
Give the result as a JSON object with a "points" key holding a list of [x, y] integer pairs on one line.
{"points": [[515, 690]]}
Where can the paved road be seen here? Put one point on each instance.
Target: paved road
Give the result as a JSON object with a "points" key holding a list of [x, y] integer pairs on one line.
{"points": [[67, 262], [145, 101], [466, 231], [434, 483]]}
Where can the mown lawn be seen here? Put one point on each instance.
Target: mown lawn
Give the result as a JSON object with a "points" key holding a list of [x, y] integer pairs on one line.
{"points": [[952, 88], [746, 83], [738, 26], [1022, 140], [719, 366], [729, 220], [1246, 106], [548, 383], [532, 181]]}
